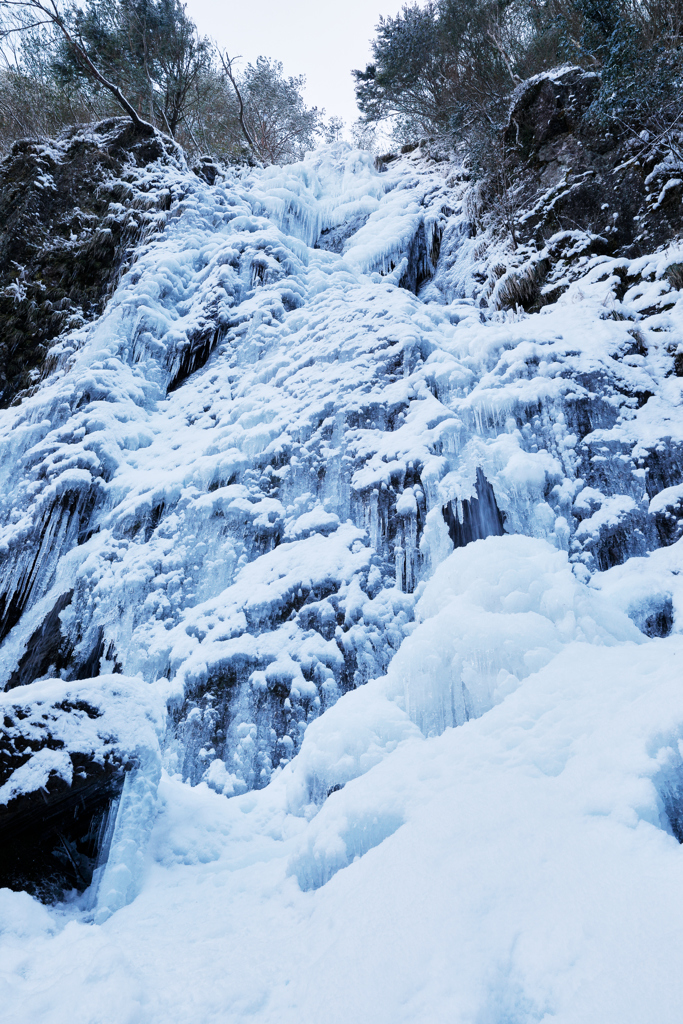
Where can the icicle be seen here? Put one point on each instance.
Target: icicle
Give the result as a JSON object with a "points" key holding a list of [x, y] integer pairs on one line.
{"points": [[410, 536], [122, 874], [399, 556]]}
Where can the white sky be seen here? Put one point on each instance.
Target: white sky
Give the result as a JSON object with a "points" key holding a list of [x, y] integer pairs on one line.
{"points": [[322, 39]]}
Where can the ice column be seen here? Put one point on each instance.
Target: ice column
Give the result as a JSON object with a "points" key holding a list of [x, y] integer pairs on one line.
{"points": [[122, 874]]}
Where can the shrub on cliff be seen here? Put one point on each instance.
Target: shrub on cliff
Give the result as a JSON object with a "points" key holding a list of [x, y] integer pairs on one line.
{"points": [[450, 67], [66, 63]]}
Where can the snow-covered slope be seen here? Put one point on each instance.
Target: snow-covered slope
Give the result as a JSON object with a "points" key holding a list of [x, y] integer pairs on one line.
{"points": [[383, 552]]}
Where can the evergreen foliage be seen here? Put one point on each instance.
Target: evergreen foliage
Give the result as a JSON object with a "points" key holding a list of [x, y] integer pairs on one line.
{"points": [[280, 124], [170, 76], [150, 46], [450, 67]]}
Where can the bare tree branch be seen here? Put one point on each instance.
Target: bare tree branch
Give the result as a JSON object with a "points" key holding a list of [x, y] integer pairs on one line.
{"points": [[53, 15], [227, 68]]}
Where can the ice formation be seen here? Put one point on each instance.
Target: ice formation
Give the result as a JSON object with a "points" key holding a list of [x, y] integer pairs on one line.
{"points": [[303, 521]]}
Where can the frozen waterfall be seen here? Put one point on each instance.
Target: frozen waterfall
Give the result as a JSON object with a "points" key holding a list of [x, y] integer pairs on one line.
{"points": [[304, 521]]}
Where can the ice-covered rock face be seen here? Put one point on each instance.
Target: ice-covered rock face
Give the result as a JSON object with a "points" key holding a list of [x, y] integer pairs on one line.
{"points": [[72, 213], [228, 529], [291, 410]]}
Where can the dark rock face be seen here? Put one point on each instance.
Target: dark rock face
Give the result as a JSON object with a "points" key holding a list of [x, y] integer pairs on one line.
{"points": [[65, 751], [52, 839], [480, 516], [70, 215], [45, 648], [49, 652], [334, 239], [549, 106], [658, 618], [575, 174], [207, 169], [52, 829]]}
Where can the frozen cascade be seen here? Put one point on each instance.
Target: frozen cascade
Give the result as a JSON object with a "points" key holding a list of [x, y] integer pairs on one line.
{"points": [[236, 483], [216, 542], [122, 873]]}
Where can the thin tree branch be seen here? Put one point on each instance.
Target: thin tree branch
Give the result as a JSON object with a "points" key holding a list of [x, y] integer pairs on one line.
{"points": [[227, 67], [21, 28], [51, 11]]}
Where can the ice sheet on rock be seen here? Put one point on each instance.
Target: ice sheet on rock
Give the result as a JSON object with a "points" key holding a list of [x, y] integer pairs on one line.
{"points": [[347, 399], [97, 449], [122, 874]]}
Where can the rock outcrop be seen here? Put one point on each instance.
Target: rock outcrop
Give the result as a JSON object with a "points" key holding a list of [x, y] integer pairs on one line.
{"points": [[65, 750], [72, 211], [574, 171]]}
